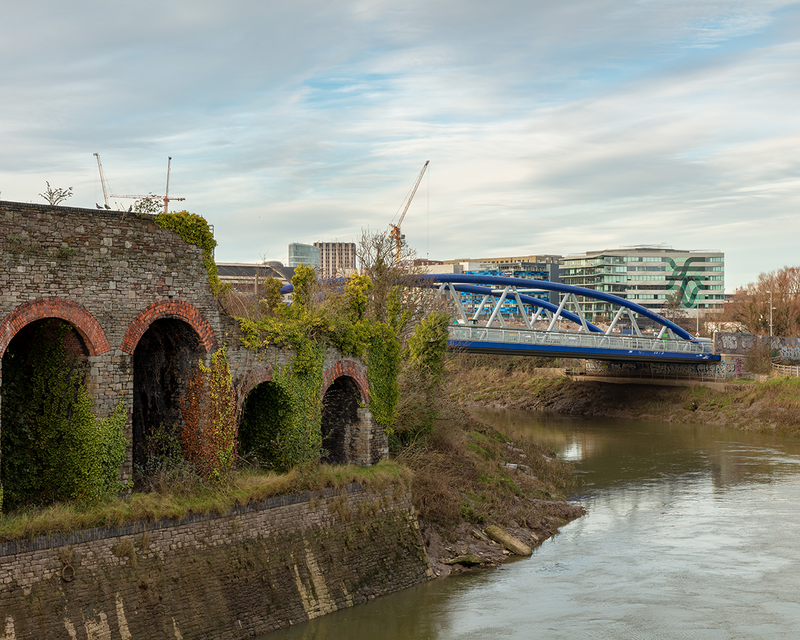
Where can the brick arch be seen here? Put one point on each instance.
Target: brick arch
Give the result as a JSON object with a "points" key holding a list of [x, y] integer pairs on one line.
{"points": [[168, 309], [42, 308], [250, 380], [351, 369]]}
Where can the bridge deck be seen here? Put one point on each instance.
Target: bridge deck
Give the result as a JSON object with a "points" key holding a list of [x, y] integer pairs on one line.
{"points": [[577, 345]]}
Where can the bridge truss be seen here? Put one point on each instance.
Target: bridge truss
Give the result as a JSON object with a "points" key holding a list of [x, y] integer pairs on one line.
{"points": [[481, 304]]}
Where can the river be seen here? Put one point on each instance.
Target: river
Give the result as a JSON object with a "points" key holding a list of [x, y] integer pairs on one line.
{"points": [[691, 531]]}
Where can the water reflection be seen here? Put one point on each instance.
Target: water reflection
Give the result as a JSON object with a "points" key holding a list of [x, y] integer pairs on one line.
{"points": [[609, 452], [690, 532]]}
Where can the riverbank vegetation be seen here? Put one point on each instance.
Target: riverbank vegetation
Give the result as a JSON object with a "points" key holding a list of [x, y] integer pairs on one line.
{"points": [[509, 381], [175, 498]]}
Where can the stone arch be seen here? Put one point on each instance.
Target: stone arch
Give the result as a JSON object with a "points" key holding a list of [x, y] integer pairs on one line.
{"points": [[256, 375], [352, 370], [340, 421], [87, 327], [164, 358], [177, 309]]}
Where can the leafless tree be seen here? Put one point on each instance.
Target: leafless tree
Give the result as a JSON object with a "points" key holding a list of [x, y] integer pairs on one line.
{"points": [[751, 303], [56, 196], [399, 296]]}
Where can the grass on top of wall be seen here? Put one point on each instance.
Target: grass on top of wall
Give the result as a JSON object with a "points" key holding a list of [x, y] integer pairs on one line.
{"points": [[241, 489]]}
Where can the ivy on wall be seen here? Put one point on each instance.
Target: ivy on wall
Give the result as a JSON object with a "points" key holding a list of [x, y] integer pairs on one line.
{"points": [[194, 229], [53, 448], [209, 431], [307, 327]]}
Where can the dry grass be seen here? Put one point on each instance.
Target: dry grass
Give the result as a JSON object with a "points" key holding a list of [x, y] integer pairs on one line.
{"points": [[463, 474], [242, 489]]}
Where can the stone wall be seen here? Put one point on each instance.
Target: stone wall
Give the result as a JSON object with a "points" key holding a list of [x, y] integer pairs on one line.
{"points": [[114, 276], [261, 567]]}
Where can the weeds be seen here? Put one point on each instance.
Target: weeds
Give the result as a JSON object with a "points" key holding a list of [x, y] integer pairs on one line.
{"points": [[220, 498]]}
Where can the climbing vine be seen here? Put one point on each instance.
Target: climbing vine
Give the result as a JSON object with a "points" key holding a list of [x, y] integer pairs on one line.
{"points": [[53, 448], [194, 229], [210, 424], [307, 328]]}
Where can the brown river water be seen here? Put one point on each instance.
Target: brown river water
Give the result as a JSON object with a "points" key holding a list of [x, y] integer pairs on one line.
{"points": [[691, 532]]}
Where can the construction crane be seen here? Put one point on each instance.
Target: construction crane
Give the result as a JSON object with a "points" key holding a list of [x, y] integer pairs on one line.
{"points": [[166, 196], [102, 179], [165, 199], [394, 232]]}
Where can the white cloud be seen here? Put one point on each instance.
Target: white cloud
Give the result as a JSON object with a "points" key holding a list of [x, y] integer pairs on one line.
{"points": [[551, 127]]}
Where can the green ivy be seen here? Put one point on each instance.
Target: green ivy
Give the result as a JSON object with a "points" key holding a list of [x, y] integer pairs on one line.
{"points": [[53, 448], [307, 331], [194, 229], [428, 344]]}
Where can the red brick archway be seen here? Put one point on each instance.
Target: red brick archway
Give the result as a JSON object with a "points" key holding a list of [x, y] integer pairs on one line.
{"points": [[351, 369], [255, 376], [168, 309], [42, 308]]}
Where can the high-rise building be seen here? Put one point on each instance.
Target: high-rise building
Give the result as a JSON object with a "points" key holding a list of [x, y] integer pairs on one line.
{"points": [[304, 254], [655, 277], [337, 259]]}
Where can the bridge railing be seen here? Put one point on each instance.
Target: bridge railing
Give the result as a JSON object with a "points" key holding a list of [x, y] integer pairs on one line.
{"points": [[577, 340]]}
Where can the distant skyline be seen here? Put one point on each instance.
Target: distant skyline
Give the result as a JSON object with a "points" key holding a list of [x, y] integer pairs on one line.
{"points": [[551, 128]]}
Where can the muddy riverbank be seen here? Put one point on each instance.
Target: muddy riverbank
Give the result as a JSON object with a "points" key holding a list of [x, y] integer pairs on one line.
{"points": [[769, 406]]}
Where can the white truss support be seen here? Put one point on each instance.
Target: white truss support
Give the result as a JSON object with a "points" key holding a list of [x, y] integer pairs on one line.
{"points": [[521, 308], [661, 333], [634, 324], [537, 313], [496, 312], [456, 296], [557, 315], [616, 319], [480, 307], [579, 312]]}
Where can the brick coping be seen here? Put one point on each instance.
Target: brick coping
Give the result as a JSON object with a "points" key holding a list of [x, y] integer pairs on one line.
{"points": [[39, 543]]}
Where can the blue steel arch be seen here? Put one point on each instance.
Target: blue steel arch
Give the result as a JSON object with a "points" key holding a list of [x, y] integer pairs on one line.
{"points": [[469, 283], [469, 279]]}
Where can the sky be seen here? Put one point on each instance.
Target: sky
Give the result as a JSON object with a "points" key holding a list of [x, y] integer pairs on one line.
{"points": [[551, 127]]}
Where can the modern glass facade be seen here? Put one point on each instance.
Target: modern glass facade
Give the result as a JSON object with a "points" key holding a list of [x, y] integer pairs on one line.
{"points": [[654, 277], [304, 254]]}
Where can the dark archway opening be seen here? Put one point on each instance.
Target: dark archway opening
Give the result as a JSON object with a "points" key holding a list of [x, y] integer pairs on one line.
{"points": [[339, 415], [265, 415], [163, 362], [44, 376]]}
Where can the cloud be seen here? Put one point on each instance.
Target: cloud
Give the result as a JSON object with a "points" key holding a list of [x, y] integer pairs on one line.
{"points": [[551, 127]]}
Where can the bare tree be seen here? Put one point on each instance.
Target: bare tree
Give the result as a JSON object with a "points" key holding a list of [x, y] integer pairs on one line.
{"points": [[751, 303], [150, 205], [56, 196], [399, 296]]}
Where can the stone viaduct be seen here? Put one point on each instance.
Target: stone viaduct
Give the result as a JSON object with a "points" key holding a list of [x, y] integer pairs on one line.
{"points": [[139, 300]]}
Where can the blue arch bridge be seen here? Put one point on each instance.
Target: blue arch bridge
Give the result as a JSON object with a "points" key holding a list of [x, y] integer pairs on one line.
{"points": [[500, 315], [495, 314]]}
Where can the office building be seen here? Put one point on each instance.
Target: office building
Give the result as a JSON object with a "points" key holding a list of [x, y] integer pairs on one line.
{"points": [[337, 259], [659, 278], [300, 253]]}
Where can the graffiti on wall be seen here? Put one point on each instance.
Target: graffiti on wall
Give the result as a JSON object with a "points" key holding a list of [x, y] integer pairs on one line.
{"points": [[731, 366], [743, 344]]}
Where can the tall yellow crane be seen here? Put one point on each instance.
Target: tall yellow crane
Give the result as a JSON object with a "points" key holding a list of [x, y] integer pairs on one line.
{"points": [[394, 232]]}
